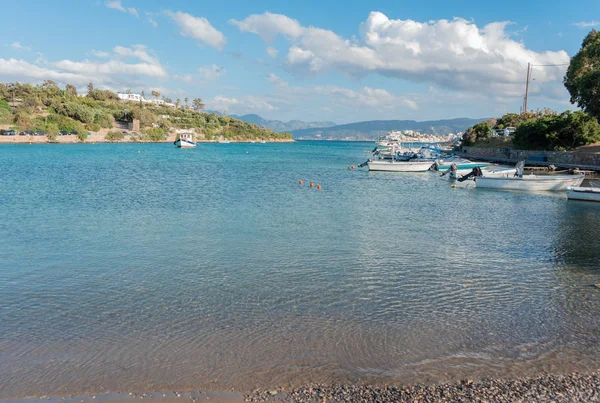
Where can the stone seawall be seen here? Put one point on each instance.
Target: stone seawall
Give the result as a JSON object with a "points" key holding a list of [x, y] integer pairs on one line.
{"points": [[568, 159]]}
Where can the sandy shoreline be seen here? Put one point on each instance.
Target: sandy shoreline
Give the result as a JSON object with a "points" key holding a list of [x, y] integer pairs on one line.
{"points": [[547, 388]]}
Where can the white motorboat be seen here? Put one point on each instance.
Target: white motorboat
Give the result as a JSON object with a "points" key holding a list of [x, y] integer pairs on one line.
{"points": [[529, 182], [583, 193], [414, 165], [489, 171], [185, 140]]}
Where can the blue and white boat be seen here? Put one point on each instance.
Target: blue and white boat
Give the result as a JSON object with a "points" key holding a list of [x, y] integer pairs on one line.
{"points": [[462, 164], [185, 140]]}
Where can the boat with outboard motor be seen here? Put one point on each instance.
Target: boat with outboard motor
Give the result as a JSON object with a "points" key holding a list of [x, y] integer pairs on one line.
{"points": [[420, 161], [529, 182], [462, 164]]}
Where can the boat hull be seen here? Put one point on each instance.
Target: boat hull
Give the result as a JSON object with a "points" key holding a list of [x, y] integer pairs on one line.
{"points": [[184, 143], [530, 182], [463, 167], [584, 193], [400, 166]]}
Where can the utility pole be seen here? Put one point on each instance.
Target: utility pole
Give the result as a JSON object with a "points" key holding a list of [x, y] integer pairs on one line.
{"points": [[527, 87]]}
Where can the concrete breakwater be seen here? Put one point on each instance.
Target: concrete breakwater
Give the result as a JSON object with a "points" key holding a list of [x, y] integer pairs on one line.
{"points": [[560, 159]]}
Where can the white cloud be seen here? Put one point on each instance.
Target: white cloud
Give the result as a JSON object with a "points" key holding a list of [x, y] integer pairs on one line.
{"points": [[140, 52], [211, 72], [269, 25], [455, 54], [198, 28], [587, 24], [151, 20], [116, 5], [272, 52], [18, 46], [245, 104], [276, 80], [133, 11], [366, 97], [99, 53], [112, 67], [20, 69]]}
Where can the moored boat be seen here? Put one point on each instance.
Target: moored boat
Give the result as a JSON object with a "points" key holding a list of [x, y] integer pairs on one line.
{"points": [[530, 182], [185, 140], [583, 193], [415, 165], [461, 164]]}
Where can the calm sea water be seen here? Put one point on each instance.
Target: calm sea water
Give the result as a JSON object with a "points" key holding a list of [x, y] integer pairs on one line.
{"points": [[145, 267]]}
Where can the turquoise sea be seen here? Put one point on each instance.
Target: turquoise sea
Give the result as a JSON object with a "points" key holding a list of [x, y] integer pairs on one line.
{"points": [[144, 267]]}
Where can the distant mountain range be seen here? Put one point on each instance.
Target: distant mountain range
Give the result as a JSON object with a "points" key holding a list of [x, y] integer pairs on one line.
{"points": [[368, 130], [282, 127], [372, 129]]}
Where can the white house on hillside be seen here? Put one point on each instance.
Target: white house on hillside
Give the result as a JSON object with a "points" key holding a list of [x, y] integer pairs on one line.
{"points": [[137, 98]]}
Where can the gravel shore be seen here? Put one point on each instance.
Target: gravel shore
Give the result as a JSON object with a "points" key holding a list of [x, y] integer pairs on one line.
{"points": [[548, 388]]}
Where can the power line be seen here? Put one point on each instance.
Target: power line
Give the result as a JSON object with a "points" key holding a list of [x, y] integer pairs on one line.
{"points": [[549, 65]]}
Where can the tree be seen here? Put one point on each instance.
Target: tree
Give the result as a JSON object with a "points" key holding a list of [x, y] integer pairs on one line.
{"points": [[480, 131], [128, 91], [559, 133], [90, 88], [177, 103], [71, 90], [155, 94], [198, 105], [186, 101], [143, 95], [583, 75]]}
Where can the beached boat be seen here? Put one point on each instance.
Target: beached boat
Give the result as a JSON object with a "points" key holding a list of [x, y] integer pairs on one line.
{"points": [[415, 165], [583, 193], [185, 140]]}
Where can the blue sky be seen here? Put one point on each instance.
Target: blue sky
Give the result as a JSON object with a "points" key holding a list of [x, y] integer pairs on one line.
{"points": [[310, 60]]}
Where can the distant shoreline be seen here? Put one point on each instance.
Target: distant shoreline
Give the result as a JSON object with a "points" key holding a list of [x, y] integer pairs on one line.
{"points": [[101, 138]]}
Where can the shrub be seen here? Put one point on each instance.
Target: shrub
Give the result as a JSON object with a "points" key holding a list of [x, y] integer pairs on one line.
{"points": [[559, 133], [93, 127], [51, 131], [156, 134], [114, 136], [82, 135]]}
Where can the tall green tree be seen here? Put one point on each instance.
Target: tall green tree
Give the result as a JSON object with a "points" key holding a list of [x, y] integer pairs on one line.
{"points": [[583, 75], [90, 88]]}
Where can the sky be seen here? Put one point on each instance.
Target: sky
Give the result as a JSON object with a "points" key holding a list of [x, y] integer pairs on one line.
{"points": [[311, 60]]}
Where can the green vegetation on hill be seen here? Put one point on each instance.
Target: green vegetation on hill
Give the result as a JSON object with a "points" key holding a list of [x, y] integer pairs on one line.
{"points": [[50, 108]]}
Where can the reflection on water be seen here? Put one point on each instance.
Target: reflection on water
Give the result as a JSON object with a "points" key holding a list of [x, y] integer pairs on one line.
{"points": [[212, 268]]}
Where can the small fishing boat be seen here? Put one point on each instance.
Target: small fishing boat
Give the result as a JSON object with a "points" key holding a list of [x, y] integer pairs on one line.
{"points": [[529, 182], [415, 165], [583, 193], [185, 140], [462, 164], [489, 171]]}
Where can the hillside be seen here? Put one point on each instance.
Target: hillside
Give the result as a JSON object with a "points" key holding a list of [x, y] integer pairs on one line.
{"points": [[371, 130], [282, 127], [52, 109]]}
